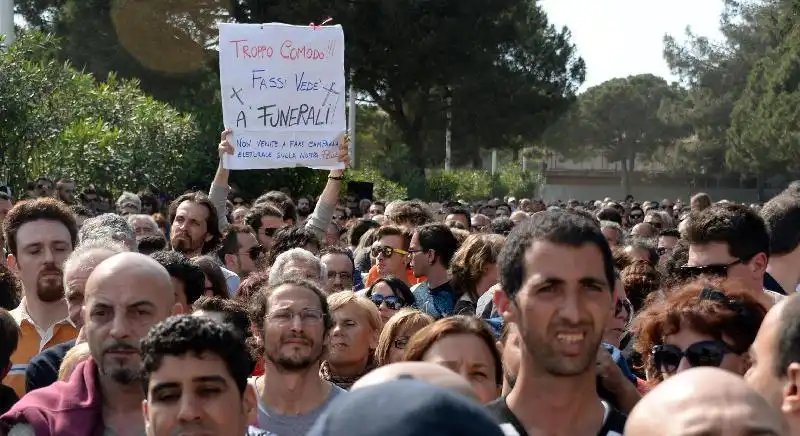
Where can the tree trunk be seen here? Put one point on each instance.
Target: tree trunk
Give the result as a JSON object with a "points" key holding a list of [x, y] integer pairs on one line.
{"points": [[626, 174]]}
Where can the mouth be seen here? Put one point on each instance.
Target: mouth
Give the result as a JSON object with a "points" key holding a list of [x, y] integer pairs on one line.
{"points": [[295, 342], [571, 343]]}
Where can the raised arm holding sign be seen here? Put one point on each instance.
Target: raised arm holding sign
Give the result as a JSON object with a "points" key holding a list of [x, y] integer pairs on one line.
{"points": [[283, 95]]}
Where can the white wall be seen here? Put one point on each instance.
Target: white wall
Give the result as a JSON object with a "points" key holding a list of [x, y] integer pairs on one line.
{"points": [[551, 192]]}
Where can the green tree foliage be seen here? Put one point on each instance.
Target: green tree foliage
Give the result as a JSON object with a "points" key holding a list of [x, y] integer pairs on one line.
{"points": [[716, 75], [622, 118], [59, 121], [766, 119]]}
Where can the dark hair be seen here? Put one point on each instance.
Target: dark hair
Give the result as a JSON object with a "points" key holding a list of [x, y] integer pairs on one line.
{"points": [[609, 214], [39, 209], [230, 241], [639, 280], [150, 244], [10, 289], [501, 226], [288, 237], [250, 286], [358, 229], [254, 215], [788, 343], [212, 271], [384, 231], [410, 213], [179, 267], [647, 245], [9, 337], [563, 227], [781, 215], [194, 335], [459, 210], [233, 313], [702, 200], [147, 197], [333, 249], [673, 233], [398, 287], [79, 210], [424, 339], [440, 239], [282, 201], [212, 222], [736, 225], [4, 195], [259, 303]]}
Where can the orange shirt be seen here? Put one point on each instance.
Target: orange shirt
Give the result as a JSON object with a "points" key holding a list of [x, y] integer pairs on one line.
{"points": [[32, 341], [410, 280]]}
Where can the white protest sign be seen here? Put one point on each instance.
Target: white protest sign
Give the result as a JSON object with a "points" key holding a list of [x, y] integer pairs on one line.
{"points": [[283, 95]]}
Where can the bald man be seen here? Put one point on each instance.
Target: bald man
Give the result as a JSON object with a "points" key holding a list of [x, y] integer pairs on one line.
{"points": [[428, 372], [643, 230], [775, 373], [704, 401], [125, 295]]}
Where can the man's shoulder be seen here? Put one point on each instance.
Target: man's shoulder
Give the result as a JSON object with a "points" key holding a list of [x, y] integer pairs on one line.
{"points": [[22, 429], [614, 424]]}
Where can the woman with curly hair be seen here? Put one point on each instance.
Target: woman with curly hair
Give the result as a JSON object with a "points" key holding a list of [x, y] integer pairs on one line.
{"points": [[474, 270], [700, 323]]}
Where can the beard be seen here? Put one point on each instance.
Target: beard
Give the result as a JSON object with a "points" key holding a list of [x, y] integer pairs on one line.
{"points": [[543, 351], [50, 289], [123, 371], [295, 362], [183, 244]]}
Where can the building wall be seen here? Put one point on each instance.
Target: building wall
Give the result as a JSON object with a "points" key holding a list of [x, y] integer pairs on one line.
{"points": [[642, 192]]}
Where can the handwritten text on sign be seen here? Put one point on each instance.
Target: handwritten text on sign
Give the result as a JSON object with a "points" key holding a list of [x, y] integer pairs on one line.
{"points": [[283, 94]]}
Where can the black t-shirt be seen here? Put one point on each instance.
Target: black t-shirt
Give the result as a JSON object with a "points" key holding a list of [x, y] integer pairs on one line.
{"points": [[613, 423]]}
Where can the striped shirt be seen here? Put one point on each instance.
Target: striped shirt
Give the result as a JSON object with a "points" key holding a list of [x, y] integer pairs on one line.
{"points": [[32, 340]]}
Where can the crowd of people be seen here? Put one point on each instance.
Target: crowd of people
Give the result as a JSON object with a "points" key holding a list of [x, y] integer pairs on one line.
{"points": [[216, 314]]}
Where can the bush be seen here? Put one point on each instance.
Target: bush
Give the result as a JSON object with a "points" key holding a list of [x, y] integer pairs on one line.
{"points": [[383, 188], [61, 122]]}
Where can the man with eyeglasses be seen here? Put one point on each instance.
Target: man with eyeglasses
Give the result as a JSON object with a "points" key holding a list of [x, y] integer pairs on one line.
{"points": [[340, 269], [729, 240], [240, 250], [293, 321]]}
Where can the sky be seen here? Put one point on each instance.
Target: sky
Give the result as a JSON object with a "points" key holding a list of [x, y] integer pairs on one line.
{"points": [[619, 38]]}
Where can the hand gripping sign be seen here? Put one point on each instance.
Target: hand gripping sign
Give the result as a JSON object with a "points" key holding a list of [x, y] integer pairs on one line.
{"points": [[283, 95]]}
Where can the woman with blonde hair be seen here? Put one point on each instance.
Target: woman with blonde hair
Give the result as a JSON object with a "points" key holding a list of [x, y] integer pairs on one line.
{"points": [[396, 334], [74, 356]]}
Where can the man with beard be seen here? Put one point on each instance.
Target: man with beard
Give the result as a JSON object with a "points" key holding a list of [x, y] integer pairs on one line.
{"points": [[40, 235], [65, 190], [125, 295], [294, 320], [303, 208], [557, 276], [194, 225]]}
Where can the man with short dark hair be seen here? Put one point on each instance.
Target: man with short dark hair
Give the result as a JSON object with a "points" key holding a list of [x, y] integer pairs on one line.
{"points": [[782, 217], [188, 280], [240, 250], [557, 278], [730, 240], [40, 235], [339, 267], [294, 322], [9, 338], [264, 219], [431, 249], [667, 240], [459, 214], [203, 366]]}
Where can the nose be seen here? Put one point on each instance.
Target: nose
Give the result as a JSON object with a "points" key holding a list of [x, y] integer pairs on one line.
{"points": [[119, 327], [683, 366], [570, 309], [297, 323], [49, 256], [190, 410]]}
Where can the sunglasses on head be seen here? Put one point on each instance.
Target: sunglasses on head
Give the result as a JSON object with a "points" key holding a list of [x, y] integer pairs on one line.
{"points": [[392, 302], [667, 358], [714, 270], [386, 251]]}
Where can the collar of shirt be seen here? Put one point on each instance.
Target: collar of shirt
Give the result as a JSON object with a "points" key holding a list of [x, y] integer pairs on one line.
{"points": [[21, 314]]}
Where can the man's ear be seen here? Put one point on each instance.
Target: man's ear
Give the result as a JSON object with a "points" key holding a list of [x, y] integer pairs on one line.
{"points": [[504, 305], [12, 263], [177, 309], [790, 401], [230, 259]]}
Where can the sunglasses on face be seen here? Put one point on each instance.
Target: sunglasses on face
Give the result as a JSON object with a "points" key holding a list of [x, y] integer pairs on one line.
{"points": [[270, 232], [636, 216], [667, 358], [338, 217], [400, 343], [394, 303], [256, 252], [713, 270], [661, 250], [386, 251]]}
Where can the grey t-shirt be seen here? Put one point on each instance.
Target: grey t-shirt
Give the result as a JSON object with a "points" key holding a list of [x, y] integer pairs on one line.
{"points": [[292, 425]]}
